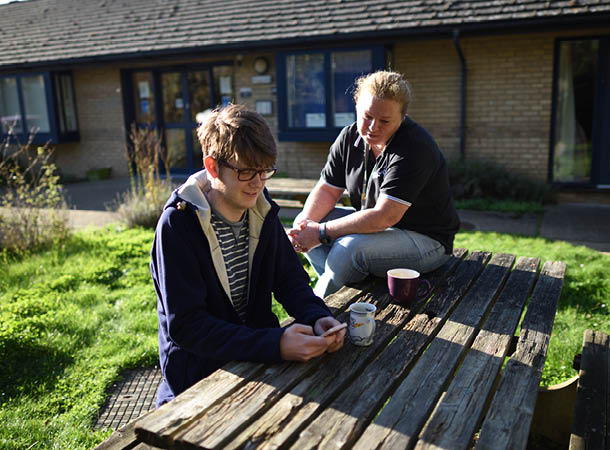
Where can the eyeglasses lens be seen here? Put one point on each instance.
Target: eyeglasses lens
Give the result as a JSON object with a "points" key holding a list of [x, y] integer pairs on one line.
{"points": [[249, 174]]}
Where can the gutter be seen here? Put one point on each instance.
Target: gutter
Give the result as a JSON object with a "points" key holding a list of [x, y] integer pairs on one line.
{"points": [[464, 74]]}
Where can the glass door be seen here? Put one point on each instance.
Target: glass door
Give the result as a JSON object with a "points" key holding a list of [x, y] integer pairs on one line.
{"points": [[172, 100], [173, 105], [601, 160], [581, 142]]}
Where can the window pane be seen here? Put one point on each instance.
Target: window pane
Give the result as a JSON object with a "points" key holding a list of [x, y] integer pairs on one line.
{"points": [[68, 103], [199, 92], [144, 97], [9, 105], [346, 67], [176, 148], [574, 116], [223, 85], [35, 103], [173, 101], [305, 91]]}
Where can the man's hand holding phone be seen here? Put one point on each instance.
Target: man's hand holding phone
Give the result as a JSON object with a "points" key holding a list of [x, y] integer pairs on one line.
{"points": [[332, 330]]}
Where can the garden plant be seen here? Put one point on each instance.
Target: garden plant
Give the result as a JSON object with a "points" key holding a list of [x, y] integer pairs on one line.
{"points": [[32, 206], [146, 155]]}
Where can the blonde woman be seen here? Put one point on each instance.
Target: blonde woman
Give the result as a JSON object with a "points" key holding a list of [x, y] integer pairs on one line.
{"points": [[402, 212]]}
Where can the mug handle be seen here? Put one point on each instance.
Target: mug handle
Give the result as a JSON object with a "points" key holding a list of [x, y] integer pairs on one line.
{"points": [[372, 320], [421, 294]]}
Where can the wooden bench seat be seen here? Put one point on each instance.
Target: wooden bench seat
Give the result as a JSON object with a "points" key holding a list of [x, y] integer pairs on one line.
{"points": [[591, 429]]}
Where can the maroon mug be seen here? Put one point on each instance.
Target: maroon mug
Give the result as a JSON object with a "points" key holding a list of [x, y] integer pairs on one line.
{"points": [[407, 287]]}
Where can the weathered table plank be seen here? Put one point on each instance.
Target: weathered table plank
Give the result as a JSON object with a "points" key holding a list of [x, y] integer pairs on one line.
{"points": [[508, 420], [124, 437], [231, 415], [295, 409], [382, 396], [165, 423], [456, 418], [591, 413], [284, 421], [160, 427], [401, 420], [343, 421]]}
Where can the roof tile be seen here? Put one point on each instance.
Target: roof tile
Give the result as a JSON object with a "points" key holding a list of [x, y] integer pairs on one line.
{"points": [[47, 31]]}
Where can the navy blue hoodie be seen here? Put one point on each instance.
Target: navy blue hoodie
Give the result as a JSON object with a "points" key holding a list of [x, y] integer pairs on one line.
{"points": [[199, 330]]}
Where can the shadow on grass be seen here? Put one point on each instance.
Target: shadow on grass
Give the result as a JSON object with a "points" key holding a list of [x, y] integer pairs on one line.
{"points": [[30, 368]]}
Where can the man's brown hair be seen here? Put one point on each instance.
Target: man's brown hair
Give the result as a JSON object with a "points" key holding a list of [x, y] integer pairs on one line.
{"points": [[235, 133]]}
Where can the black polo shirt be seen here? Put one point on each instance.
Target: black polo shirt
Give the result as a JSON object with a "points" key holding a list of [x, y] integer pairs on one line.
{"points": [[410, 170]]}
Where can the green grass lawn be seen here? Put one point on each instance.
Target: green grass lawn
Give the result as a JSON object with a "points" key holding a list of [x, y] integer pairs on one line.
{"points": [[585, 297], [72, 318]]}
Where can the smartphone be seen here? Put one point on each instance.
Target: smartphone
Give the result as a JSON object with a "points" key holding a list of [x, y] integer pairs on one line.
{"points": [[334, 329]]}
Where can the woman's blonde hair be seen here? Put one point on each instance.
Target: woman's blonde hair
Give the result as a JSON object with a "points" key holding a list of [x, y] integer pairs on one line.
{"points": [[235, 133], [385, 85]]}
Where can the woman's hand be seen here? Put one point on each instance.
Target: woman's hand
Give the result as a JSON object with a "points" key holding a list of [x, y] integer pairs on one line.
{"points": [[305, 235]]}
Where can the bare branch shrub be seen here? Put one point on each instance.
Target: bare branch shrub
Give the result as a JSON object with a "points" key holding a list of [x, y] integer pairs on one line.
{"points": [[32, 208], [143, 203]]}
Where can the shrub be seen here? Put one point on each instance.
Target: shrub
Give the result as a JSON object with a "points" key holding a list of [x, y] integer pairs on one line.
{"points": [[33, 209], [481, 180], [143, 203]]}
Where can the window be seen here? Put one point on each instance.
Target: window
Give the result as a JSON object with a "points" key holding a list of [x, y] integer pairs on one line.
{"points": [[66, 104], [38, 102], [580, 140], [315, 90], [9, 105]]}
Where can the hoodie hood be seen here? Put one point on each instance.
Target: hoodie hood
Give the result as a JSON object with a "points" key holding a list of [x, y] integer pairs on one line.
{"points": [[198, 184], [193, 191]]}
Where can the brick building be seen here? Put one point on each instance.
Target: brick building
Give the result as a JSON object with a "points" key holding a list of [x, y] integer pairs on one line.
{"points": [[520, 83]]}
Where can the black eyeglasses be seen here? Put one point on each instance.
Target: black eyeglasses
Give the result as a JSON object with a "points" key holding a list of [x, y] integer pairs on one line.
{"points": [[249, 174]]}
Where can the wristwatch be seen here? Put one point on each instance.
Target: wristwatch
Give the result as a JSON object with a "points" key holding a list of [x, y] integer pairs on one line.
{"points": [[324, 238]]}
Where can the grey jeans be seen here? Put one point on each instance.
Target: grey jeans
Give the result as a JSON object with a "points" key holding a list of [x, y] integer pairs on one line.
{"points": [[353, 257]]}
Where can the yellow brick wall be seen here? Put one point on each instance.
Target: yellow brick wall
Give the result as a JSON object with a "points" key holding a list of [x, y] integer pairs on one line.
{"points": [[509, 90], [100, 121], [509, 95]]}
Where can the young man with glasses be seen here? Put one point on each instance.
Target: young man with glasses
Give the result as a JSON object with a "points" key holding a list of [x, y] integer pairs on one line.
{"points": [[219, 253]]}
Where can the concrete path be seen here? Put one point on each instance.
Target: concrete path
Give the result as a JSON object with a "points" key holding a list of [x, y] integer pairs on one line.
{"points": [[577, 223]]}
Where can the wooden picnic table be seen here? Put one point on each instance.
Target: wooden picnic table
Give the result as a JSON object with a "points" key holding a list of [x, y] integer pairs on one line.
{"points": [[432, 378]]}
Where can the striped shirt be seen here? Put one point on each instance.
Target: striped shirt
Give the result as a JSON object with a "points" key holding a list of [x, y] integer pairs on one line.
{"points": [[233, 240]]}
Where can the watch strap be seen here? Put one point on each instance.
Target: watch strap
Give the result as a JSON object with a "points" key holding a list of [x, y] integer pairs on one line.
{"points": [[324, 239]]}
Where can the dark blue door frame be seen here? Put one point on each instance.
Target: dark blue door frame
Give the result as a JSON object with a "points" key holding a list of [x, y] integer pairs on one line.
{"points": [[187, 124]]}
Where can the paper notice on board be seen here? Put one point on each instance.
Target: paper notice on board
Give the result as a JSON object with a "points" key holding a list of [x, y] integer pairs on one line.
{"points": [[225, 85], [344, 119], [144, 89], [315, 120]]}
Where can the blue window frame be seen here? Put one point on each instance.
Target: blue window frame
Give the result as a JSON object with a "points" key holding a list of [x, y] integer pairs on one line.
{"points": [[314, 90], [38, 101]]}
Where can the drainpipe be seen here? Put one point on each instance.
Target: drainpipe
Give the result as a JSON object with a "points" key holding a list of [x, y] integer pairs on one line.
{"points": [[456, 42]]}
